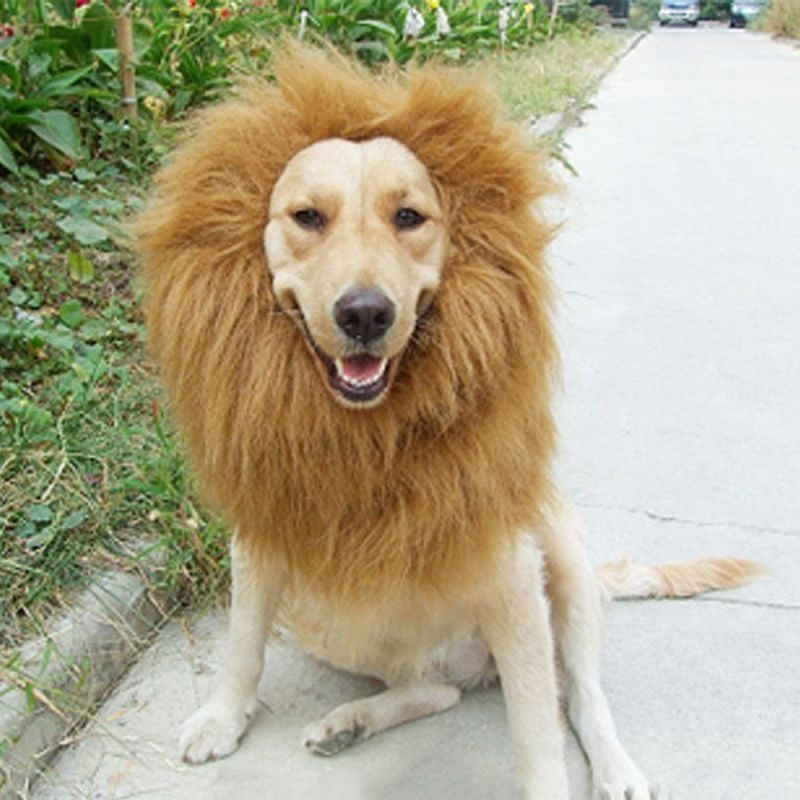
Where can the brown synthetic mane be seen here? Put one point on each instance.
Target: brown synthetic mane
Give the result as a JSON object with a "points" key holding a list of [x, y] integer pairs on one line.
{"points": [[430, 484]]}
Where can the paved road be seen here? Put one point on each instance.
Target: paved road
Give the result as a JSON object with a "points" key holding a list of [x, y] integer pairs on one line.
{"points": [[681, 274], [681, 419]]}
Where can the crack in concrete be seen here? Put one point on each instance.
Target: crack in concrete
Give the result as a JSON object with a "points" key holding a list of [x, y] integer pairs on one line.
{"points": [[733, 601], [670, 518]]}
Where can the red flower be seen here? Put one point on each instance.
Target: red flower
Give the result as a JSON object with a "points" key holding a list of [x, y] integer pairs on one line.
{"points": [[192, 3], [8, 31], [224, 13], [80, 3]]}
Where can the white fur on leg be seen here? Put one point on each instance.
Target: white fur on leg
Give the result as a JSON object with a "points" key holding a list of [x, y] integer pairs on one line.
{"points": [[513, 616], [214, 731], [577, 619], [360, 719]]}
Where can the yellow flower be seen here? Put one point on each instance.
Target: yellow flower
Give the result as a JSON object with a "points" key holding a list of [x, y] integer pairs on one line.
{"points": [[528, 8], [155, 105], [433, 4]]}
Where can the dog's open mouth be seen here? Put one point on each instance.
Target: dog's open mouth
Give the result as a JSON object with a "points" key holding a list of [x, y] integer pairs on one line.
{"points": [[358, 379], [361, 378]]}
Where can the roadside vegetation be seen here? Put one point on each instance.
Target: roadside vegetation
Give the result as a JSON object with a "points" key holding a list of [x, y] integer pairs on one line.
{"points": [[91, 474], [781, 18], [642, 14]]}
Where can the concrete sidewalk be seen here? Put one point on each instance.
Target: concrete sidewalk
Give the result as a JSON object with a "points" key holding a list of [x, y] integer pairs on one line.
{"points": [[681, 278]]}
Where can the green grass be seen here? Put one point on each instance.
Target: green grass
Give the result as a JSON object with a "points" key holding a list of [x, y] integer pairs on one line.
{"points": [[559, 76], [90, 474]]}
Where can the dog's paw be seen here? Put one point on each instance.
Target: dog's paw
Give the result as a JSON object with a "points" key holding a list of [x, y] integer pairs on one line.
{"points": [[211, 732], [334, 733], [627, 783]]}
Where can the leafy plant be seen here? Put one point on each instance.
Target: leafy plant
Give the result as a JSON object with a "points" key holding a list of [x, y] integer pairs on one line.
{"points": [[59, 72], [87, 468], [49, 82]]}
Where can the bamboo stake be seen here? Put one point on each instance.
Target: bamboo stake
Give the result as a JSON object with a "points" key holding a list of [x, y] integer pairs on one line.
{"points": [[553, 13], [123, 28]]}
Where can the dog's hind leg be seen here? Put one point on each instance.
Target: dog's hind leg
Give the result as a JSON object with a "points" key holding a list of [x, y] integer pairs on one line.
{"points": [[577, 621], [360, 719], [215, 729]]}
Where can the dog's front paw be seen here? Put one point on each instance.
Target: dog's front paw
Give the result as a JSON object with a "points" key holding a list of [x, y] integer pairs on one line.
{"points": [[333, 734], [212, 732], [626, 782]]}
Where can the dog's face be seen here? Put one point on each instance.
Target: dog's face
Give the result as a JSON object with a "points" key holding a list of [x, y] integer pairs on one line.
{"points": [[355, 245]]}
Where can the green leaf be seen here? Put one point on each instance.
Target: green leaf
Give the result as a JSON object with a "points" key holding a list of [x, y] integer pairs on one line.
{"points": [[39, 512], [41, 538], [25, 530], [142, 42], [147, 86], [18, 296], [93, 330], [84, 230], [58, 129], [98, 22], [72, 203], [83, 174], [73, 520], [7, 158], [379, 25], [64, 8], [89, 369], [58, 84], [81, 269], [109, 56], [38, 64], [71, 313], [39, 419], [182, 99]]}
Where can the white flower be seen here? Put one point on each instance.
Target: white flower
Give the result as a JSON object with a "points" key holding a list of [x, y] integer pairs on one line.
{"points": [[303, 22], [442, 23], [414, 24], [502, 22]]}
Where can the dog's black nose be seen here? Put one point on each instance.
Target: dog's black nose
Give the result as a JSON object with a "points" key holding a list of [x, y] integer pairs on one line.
{"points": [[364, 314]]}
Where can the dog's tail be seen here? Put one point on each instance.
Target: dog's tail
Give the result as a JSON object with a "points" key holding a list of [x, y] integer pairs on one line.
{"points": [[627, 579]]}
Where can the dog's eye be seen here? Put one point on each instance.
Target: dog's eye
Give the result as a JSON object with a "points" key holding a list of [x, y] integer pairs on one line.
{"points": [[407, 218], [309, 218]]}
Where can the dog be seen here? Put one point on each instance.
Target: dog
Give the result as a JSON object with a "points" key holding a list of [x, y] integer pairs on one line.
{"points": [[347, 296]]}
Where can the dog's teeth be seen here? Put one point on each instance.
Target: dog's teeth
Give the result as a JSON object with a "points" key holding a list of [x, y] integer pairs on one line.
{"points": [[360, 383]]}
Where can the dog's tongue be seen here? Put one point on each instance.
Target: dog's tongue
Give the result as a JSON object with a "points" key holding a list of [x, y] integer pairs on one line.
{"points": [[362, 367]]}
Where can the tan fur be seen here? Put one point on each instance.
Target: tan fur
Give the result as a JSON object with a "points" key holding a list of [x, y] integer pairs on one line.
{"points": [[356, 187], [624, 578], [417, 539], [425, 487]]}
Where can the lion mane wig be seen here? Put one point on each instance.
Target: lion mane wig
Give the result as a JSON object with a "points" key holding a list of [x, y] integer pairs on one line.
{"points": [[429, 486]]}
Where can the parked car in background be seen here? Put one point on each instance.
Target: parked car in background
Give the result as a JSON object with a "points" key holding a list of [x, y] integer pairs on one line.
{"points": [[685, 11], [743, 11]]}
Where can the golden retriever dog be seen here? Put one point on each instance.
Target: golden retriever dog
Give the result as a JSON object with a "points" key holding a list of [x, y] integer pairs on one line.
{"points": [[347, 297]]}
